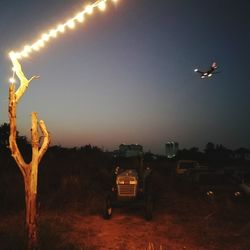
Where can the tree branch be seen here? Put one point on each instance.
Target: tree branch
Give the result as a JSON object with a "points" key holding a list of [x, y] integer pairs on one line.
{"points": [[46, 140], [24, 82], [34, 138]]}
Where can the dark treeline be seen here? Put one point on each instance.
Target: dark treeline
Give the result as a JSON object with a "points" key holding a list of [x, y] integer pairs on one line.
{"points": [[216, 155], [71, 176]]}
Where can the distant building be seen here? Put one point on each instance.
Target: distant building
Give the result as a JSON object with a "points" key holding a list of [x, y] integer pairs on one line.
{"points": [[130, 150], [171, 149]]}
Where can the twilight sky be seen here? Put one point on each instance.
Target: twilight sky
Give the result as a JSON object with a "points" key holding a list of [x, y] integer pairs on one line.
{"points": [[126, 75]]}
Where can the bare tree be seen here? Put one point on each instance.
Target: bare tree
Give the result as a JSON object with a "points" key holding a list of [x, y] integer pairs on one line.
{"points": [[29, 170]]}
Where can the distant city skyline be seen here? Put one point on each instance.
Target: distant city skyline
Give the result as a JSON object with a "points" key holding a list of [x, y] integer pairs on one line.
{"points": [[127, 75]]}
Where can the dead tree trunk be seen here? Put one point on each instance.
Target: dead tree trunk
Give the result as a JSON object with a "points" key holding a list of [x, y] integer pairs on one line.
{"points": [[29, 170]]}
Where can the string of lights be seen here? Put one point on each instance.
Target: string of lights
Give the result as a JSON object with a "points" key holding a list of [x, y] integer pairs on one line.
{"points": [[55, 32]]}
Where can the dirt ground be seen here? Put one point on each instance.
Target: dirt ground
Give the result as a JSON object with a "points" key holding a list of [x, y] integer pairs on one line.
{"points": [[177, 224], [185, 217]]}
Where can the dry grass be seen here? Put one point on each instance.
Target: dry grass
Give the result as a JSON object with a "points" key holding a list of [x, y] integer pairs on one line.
{"points": [[151, 246]]}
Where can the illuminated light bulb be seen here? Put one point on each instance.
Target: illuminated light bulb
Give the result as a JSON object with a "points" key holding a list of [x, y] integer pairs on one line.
{"points": [[12, 54], [45, 37], [24, 53], [27, 49], [71, 24], [102, 6], [61, 28], [12, 80], [40, 43], [53, 33], [89, 9], [80, 17], [35, 46]]}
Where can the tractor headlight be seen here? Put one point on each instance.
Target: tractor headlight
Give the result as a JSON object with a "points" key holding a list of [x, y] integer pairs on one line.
{"points": [[120, 182], [133, 182]]}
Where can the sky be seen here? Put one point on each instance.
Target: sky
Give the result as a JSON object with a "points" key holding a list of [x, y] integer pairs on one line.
{"points": [[126, 75]]}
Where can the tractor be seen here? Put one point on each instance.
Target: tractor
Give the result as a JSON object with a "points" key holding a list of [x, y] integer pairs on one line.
{"points": [[132, 183]]}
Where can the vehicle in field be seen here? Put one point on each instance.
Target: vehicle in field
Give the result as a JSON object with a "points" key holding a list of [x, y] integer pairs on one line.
{"points": [[132, 183], [184, 167]]}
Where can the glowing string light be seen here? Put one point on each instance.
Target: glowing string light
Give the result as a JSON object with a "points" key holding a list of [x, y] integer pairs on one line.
{"points": [[102, 6], [80, 17], [71, 24], [45, 37], [89, 9], [27, 49], [61, 28], [54, 32]]}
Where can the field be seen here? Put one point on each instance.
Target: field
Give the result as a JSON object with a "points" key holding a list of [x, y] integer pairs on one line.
{"points": [[185, 217]]}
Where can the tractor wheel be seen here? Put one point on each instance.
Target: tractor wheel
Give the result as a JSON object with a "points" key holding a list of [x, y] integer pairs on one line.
{"points": [[148, 208], [107, 209]]}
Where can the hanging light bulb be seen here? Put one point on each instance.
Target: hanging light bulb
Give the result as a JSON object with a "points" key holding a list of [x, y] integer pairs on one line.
{"points": [[102, 6], [61, 28], [53, 33], [89, 9], [45, 37], [80, 17], [35, 46], [12, 54], [24, 54], [40, 43], [71, 24], [27, 49]]}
